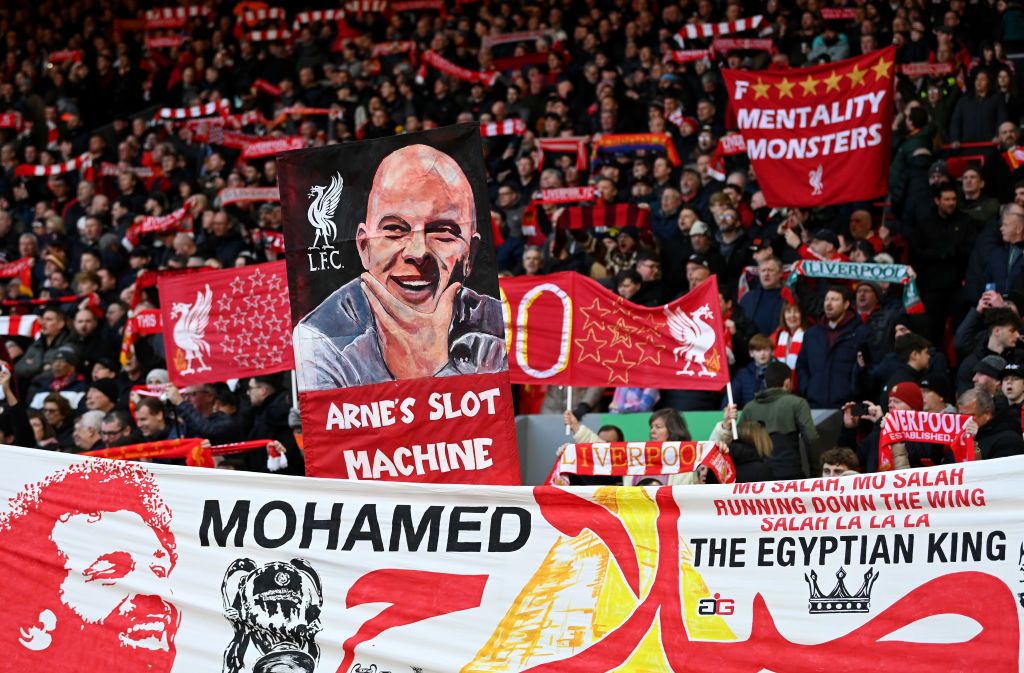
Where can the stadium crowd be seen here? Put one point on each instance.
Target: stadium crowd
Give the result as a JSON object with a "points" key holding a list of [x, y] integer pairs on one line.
{"points": [[85, 79]]}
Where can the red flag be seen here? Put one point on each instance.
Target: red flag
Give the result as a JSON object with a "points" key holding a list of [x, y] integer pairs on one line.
{"points": [[566, 329], [227, 324], [818, 135]]}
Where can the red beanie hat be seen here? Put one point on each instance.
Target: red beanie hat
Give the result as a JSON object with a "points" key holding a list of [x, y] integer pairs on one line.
{"points": [[908, 393]]}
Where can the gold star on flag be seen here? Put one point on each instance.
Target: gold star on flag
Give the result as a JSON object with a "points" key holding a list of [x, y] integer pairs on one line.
{"points": [[856, 75], [810, 86], [832, 82], [594, 316], [618, 368], [621, 334], [785, 88], [761, 89], [881, 69], [589, 346]]}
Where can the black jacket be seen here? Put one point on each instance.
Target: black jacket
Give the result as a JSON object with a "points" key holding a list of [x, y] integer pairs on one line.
{"points": [[218, 427], [270, 421], [749, 464], [998, 442]]}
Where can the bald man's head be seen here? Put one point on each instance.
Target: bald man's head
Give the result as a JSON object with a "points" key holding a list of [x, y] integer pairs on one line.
{"points": [[420, 231]]}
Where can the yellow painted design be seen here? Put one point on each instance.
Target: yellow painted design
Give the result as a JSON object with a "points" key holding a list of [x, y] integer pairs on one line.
{"points": [[578, 595]]}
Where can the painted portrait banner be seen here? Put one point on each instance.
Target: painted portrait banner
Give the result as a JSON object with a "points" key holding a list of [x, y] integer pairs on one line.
{"points": [[818, 135], [567, 329], [398, 330], [140, 567]]}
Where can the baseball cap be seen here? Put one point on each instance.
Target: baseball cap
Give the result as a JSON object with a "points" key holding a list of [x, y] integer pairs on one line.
{"points": [[697, 258], [936, 385], [67, 354], [1013, 369]]}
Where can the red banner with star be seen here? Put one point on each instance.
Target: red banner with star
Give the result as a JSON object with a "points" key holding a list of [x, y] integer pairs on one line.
{"points": [[567, 329], [820, 135], [227, 324]]}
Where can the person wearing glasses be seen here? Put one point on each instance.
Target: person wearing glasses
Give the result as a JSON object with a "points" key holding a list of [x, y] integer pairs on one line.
{"points": [[57, 413]]}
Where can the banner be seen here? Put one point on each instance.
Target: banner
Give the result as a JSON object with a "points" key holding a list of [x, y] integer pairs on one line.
{"points": [[435, 60], [862, 271], [144, 567], [567, 329], [399, 332], [227, 324], [642, 459], [177, 221], [231, 195], [268, 148], [818, 135], [927, 427]]}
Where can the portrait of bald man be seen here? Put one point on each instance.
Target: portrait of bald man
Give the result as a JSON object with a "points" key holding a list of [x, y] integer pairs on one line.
{"points": [[409, 314]]}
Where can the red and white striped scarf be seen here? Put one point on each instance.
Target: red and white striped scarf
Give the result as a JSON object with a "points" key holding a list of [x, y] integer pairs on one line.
{"points": [[302, 18], [435, 60], [268, 35], [787, 346], [509, 127], [222, 107], [573, 144], [697, 31], [177, 12], [35, 171], [20, 325], [361, 6], [266, 14]]}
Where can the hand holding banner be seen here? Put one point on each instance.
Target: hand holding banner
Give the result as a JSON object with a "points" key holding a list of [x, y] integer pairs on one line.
{"points": [[927, 427]]}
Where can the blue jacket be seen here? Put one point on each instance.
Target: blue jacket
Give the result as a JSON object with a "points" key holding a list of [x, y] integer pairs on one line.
{"points": [[828, 375], [999, 271], [747, 383], [763, 307]]}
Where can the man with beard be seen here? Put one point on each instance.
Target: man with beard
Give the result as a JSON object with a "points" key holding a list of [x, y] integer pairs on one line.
{"points": [[99, 537], [408, 315], [827, 366]]}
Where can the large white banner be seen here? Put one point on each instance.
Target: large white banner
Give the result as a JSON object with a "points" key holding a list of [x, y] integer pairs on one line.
{"points": [[116, 566]]}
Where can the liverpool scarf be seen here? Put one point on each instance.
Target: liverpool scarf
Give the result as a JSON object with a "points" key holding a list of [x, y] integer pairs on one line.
{"points": [[862, 271]]}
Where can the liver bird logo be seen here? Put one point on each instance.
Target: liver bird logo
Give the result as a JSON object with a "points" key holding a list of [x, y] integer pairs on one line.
{"points": [[814, 178], [695, 337], [190, 330], [321, 211]]}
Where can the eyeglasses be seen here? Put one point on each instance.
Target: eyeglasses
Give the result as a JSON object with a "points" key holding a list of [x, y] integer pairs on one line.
{"points": [[51, 410], [111, 433]]}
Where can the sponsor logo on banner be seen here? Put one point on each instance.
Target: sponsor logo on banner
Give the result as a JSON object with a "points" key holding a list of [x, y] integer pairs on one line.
{"points": [[148, 567], [399, 335]]}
